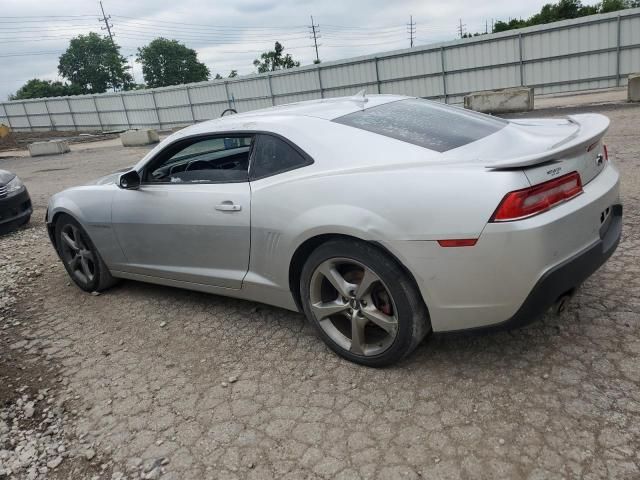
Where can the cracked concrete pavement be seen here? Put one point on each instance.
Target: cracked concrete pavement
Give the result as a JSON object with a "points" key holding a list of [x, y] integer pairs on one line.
{"points": [[213, 387]]}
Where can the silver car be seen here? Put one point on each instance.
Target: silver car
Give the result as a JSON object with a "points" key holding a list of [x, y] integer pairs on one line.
{"points": [[382, 218]]}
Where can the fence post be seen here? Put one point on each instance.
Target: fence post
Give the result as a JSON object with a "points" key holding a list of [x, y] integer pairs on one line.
{"points": [[377, 75], [618, 54], [73, 118], [126, 114], [193, 115], [155, 108], [46, 108], [320, 81], [444, 75], [226, 91], [521, 64], [273, 99], [26, 115], [95, 105]]}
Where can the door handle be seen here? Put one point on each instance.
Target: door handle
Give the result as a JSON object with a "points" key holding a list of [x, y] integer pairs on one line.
{"points": [[228, 207]]}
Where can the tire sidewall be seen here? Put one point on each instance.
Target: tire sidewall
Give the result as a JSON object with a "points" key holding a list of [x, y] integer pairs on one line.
{"points": [[93, 285], [394, 279]]}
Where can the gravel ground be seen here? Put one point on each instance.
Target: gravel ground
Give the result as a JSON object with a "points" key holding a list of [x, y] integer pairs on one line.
{"points": [[151, 382]]}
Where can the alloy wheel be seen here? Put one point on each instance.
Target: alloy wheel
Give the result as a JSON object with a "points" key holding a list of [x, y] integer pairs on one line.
{"points": [[353, 306], [77, 255]]}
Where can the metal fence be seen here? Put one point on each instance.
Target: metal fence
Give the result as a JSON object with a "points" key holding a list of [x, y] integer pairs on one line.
{"points": [[593, 52]]}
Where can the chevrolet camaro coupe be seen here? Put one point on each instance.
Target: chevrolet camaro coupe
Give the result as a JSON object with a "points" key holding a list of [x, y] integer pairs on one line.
{"points": [[380, 217]]}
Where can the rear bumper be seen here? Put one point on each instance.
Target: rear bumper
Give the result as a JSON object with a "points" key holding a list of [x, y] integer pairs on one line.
{"points": [[15, 210], [517, 269], [567, 276]]}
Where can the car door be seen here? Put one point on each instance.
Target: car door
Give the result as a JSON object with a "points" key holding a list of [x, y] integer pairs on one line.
{"points": [[190, 218]]}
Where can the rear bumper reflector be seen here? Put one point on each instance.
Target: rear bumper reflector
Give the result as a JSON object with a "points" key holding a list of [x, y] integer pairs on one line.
{"points": [[462, 242]]}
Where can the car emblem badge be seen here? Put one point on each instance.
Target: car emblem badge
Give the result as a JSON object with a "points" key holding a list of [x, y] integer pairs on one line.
{"points": [[599, 160]]}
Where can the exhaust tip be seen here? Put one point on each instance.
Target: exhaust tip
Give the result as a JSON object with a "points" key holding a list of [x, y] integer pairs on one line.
{"points": [[560, 305]]}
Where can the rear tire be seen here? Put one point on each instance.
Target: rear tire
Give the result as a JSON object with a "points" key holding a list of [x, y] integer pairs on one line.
{"points": [[80, 257], [362, 303]]}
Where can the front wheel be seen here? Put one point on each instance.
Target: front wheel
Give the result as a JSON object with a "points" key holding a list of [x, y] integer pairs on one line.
{"points": [[80, 257], [363, 305]]}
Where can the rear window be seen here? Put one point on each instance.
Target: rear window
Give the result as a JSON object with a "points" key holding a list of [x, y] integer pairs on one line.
{"points": [[424, 123]]}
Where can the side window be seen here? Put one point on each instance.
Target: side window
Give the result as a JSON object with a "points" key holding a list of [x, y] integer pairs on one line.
{"points": [[202, 160], [274, 155]]}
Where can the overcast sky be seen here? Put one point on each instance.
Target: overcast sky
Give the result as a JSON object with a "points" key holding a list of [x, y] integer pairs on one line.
{"points": [[229, 34]]}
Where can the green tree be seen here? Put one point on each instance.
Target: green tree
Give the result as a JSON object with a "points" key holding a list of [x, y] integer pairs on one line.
{"points": [[564, 10], [217, 77], [93, 64], [615, 5], [36, 88], [233, 73], [275, 60], [169, 62]]}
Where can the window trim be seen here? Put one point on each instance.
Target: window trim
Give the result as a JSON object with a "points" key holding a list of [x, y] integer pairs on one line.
{"points": [[305, 156], [192, 139], [234, 133]]}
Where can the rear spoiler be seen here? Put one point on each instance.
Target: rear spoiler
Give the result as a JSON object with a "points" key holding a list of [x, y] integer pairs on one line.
{"points": [[588, 128]]}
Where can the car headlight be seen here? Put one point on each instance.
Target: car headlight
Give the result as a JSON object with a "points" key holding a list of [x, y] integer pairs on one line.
{"points": [[14, 185]]}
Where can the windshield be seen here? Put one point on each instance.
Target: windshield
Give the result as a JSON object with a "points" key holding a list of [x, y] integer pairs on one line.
{"points": [[428, 124]]}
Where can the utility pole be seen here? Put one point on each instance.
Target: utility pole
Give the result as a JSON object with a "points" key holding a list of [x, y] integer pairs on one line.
{"points": [[314, 32], [107, 27], [411, 30], [461, 28]]}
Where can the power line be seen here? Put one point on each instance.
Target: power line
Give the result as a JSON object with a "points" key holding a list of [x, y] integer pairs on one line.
{"points": [[315, 31], [411, 30]]}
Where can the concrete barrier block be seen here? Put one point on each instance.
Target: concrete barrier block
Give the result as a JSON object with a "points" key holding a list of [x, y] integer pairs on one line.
{"points": [[136, 138], [500, 101], [633, 87], [52, 147]]}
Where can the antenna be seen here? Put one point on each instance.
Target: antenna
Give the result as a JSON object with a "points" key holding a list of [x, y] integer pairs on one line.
{"points": [[360, 97]]}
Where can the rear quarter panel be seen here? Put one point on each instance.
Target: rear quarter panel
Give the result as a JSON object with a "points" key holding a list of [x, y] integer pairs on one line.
{"points": [[389, 203]]}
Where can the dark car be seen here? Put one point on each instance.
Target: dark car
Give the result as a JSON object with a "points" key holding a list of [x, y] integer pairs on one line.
{"points": [[15, 203]]}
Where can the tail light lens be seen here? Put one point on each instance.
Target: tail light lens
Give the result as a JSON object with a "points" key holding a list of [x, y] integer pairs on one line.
{"points": [[606, 153], [537, 199]]}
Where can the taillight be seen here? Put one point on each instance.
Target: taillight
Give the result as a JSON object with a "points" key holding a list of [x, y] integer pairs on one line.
{"points": [[606, 153], [537, 199]]}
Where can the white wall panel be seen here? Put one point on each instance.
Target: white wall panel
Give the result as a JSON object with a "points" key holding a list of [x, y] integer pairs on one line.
{"points": [[417, 87], [355, 74], [409, 65], [35, 108], [482, 54], [295, 82], [209, 93]]}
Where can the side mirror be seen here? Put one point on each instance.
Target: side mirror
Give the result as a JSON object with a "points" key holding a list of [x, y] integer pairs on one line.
{"points": [[129, 180]]}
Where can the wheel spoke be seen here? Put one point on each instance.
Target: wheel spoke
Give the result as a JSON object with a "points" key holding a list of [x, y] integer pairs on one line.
{"points": [[74, 262], [84, 265], [337, 280], [384, 321], [69, 241], [358, 341], [367, 282], [326, 309], [79, 241]]}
